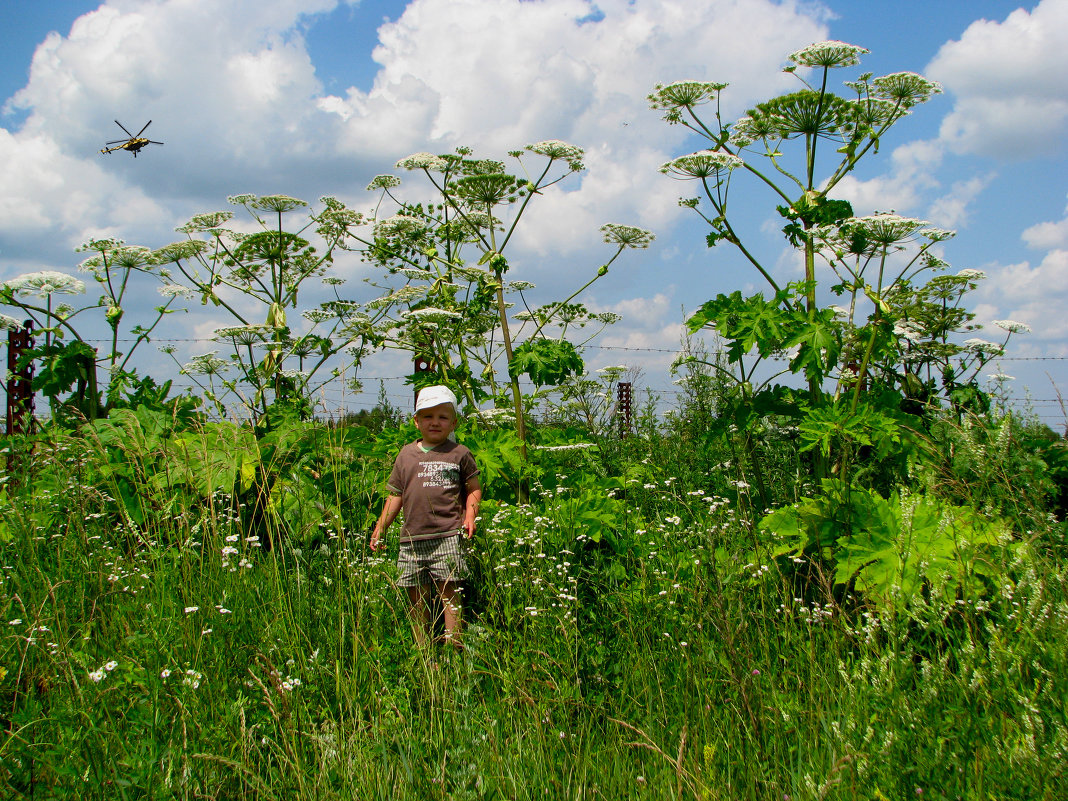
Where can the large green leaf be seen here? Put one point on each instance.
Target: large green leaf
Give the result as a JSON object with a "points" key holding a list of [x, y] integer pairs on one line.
{"points": [[548, 362], [220, 457]]}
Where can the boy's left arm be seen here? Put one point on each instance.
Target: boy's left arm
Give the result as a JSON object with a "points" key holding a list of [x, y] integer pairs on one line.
{"points": [[474, 498]]}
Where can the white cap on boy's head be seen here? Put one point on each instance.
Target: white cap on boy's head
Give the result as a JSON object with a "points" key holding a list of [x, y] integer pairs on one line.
{"points": [[434, 396]]}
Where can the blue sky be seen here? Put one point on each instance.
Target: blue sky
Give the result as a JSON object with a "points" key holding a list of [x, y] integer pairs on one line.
{"points": [[314, 97]]}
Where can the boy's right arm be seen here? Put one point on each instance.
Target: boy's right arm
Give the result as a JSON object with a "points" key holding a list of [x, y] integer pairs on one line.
{"points": [[389, 514]]}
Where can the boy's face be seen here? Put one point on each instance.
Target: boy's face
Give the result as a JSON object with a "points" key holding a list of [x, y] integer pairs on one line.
{"points": [[435, 423]]}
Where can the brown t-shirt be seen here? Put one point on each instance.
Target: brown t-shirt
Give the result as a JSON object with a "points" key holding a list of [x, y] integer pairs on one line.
{"points": [[432, 488]]}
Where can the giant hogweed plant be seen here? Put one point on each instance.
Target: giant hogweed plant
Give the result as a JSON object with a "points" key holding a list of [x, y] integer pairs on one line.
{"points": [[886, 351], [66, 360], [892, 336], [271, 361], [448, 293]]}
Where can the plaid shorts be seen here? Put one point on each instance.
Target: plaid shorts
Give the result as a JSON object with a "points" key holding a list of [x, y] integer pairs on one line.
{"points": [[429, 561]]}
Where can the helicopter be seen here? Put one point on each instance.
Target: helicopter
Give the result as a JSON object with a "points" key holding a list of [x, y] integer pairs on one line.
{"points": [[133, 144]]}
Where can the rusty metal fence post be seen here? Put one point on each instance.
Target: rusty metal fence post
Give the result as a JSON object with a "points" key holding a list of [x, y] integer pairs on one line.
{"points": [[623, 394], [19, 390], [20, 381]]}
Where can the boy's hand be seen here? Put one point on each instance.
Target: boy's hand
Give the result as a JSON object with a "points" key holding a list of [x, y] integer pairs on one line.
{"points": [[469, 527], [376, 540]]}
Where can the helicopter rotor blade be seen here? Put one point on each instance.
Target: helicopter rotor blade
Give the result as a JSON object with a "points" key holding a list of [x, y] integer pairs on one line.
{"points": [[123, 128], [143, 129], [154, 142], [116, 141]]}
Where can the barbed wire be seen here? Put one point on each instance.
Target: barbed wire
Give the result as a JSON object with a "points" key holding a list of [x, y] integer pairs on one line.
{"points": [[588, 347]]}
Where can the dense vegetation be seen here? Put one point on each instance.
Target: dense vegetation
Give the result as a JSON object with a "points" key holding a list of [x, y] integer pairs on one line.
{"points": [[847, 585], [631, 631]]}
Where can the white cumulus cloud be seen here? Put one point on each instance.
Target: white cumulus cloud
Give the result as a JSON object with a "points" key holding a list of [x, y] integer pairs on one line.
{"points": [[1048, 235], [1011, 99]]}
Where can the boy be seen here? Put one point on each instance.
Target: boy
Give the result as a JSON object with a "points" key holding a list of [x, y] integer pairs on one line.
{"points": [[435, 481]]}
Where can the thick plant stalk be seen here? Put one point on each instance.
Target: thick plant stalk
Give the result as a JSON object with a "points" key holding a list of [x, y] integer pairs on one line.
{"points": [[517, 395]]}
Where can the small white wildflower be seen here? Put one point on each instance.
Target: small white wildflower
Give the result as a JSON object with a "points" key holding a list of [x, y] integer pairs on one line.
{"points": [[192, 678]]}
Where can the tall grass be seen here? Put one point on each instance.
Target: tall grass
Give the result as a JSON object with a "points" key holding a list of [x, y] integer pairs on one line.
{"points": [[658, 658]]}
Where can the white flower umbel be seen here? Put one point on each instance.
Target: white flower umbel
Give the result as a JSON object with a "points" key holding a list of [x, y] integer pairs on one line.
{"points": [[179, 251], [907, 89], [9, 323], [831, 53], [881, 230], [976, 345], [205, 364], [277, 203], [176, 291], [383, 182], [317, 315], [431, 315], [472, 273], [422, 161], [500, 414], [626, 235], [400, 225], [702, 164], [684, 94], [555, 149], [908, 330], [937, 234], [206, 221], [242, 334], [46, 282], [1012, 326], [403, 295]]}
